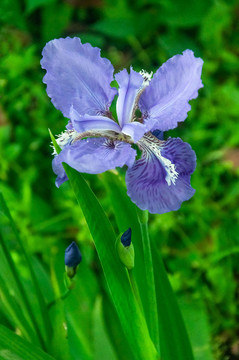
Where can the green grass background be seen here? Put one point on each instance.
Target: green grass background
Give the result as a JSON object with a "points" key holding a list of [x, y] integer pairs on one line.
{"points": [[200, 242]]}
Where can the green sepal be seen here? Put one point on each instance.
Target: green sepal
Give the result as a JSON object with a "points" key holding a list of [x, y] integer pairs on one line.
{"points": [[68, 280], [126, 253], [70, 271], [54, 142]]}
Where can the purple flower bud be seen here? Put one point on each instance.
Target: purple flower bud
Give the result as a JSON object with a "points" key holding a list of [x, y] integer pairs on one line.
{"points": [[72, 255], [126, 238]]}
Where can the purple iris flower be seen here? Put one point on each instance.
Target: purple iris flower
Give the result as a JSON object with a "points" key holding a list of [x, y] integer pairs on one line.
{"points": [[78, 82]]}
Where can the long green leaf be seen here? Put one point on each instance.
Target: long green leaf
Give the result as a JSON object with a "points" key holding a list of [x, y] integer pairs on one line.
{"points": [[150, 282], [102, 346], [79, 306], [174, 340], [126, 216], [14, 347], [130, 315], [114, 329]]}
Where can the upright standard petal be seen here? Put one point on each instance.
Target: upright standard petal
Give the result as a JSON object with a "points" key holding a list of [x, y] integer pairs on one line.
{"points": [[129, 91], [77, 75], [160, 181], [164, 102], [93, 156]]}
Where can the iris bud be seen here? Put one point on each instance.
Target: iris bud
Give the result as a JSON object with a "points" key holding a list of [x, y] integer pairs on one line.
{"points": [[125, 249], [126, 238], [72, 259]]}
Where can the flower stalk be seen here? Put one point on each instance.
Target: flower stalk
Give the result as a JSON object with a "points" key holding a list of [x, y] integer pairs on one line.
{"points": [[151, 312]]}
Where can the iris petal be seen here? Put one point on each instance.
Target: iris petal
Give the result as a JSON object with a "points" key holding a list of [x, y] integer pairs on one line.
{"points": [[160, 181], [165, 101], [77, 75], [93, 156], [92, 122], [59, 171], [129, 88]]}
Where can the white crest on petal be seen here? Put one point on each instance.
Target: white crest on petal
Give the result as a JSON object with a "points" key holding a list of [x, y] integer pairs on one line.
{"points": [[151, 144], [146, 80], [170, 168], [147, 77], [65, 138]]}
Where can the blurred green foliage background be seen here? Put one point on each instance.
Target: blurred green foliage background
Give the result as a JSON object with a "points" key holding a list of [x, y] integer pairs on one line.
{"points": [[200, 242]]}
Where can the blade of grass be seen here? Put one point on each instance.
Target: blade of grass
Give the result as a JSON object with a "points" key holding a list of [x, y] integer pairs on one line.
{"points": [[21, 289], [15, 314], [14, 347], [39, 295], [197, 324]]}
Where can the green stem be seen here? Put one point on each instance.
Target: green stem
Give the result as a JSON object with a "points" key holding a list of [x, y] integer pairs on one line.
{"points": [[22, 291], [135, 288], [151, 311], [62, 297]]}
